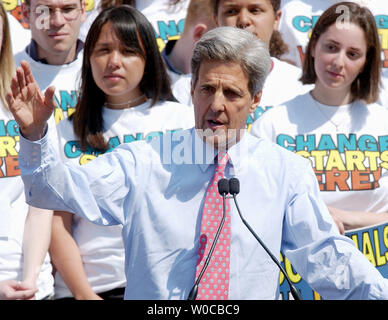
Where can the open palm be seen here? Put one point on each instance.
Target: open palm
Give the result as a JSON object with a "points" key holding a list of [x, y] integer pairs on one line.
{"points": [[30, 108]]}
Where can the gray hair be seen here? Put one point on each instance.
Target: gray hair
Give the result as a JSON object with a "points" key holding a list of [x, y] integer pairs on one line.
{"points": [[232, 44]]}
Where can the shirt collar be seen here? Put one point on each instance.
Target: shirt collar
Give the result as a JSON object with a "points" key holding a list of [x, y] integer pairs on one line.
{"points": [[237, 153], [33, 52]]}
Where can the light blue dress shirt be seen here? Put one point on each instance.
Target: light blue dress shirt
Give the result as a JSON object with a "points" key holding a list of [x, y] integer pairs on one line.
{"points": [[158, 199]]}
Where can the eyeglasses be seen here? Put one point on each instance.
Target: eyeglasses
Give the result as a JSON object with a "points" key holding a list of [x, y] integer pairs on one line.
{"points": [[69, 13]]}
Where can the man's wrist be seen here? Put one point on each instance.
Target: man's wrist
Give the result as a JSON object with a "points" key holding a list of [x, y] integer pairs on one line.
{"points": [[34, 136]]}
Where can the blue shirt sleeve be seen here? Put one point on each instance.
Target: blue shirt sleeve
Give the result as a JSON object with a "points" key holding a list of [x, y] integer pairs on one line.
{"points": [[328, 261], [97, 191]]}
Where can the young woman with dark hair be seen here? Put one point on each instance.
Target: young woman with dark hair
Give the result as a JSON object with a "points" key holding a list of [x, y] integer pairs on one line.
{"points": [[136, 38], [124, 96]]}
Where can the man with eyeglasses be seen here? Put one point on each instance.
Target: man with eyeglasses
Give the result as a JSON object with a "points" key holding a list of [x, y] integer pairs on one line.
{"points": [[55, 52]]}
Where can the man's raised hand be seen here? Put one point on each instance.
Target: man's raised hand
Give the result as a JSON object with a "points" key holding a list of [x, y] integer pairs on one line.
{"points": [[30, 108]]}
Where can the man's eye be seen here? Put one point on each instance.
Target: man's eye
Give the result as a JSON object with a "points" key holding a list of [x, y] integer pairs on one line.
{"points": [[231, 94], [205, 88], [67, 10]]}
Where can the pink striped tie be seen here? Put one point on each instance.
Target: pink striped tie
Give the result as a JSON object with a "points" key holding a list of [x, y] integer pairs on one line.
{"points": [[214, 284]]}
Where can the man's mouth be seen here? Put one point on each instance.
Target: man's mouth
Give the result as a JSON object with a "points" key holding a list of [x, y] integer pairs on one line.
{"points": [[215, 124], [57, 35]]}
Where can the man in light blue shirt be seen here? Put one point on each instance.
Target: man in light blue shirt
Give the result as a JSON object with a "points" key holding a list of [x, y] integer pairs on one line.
{"points": [[156, 189]]}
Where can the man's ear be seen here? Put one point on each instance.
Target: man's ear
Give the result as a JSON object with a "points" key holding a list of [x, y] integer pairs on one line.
{"points": [[255, 101], [83, 10], [199, 30]]}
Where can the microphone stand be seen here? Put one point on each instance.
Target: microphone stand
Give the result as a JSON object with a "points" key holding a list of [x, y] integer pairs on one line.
{"points": [[194, 290]]}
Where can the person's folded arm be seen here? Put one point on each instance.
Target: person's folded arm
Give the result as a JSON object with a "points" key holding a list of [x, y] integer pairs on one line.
{"points": [[67, 259]]}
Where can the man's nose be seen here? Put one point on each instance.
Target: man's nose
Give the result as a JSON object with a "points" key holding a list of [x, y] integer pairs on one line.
{"points": [[219, 102], [57, 18]]}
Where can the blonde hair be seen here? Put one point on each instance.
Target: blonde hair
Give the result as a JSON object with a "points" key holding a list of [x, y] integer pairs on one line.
{"points": [[7, 64]]}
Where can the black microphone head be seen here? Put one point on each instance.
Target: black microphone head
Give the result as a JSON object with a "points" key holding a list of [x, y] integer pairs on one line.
{"points": [[234, 186], [223, 186]]}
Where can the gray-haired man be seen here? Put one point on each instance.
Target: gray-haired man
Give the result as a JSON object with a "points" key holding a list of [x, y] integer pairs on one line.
{"points": [[162, 204]]}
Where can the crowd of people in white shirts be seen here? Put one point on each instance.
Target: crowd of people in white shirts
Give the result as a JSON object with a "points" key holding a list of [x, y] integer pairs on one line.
{"points": [[85, 261]]}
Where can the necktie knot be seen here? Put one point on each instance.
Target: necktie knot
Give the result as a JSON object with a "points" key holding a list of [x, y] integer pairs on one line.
{"points": [[222, 160]]}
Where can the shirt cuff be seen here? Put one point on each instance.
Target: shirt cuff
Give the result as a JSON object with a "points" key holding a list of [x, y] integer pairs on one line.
{"points": [[30, 154]]}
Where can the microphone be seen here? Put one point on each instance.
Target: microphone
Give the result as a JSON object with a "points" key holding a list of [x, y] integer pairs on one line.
{"points": [[223, 189], [234, 189]]}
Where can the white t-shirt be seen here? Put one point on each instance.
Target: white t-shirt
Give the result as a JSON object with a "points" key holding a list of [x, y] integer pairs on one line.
{"points": [[350, 163], [20, 36], [299, 17], [65, 78], [181, 87], [167, 20], [13, 210], [101, 247], [281, 85]]}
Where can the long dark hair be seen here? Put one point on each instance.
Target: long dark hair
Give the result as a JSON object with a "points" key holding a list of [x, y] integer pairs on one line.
{"points": [[137, 33], [366, 85]]}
